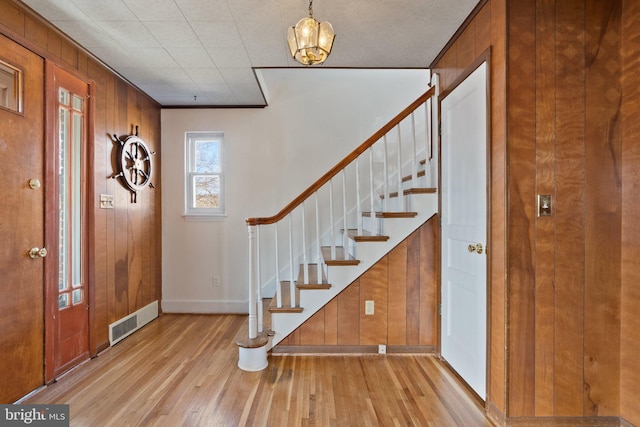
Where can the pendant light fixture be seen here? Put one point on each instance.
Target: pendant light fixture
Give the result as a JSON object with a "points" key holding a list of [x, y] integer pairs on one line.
{"points": [[310, 41]]}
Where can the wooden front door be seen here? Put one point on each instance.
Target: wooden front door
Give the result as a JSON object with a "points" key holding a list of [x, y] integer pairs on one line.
{"points": [[67, 299], [21, 222]]}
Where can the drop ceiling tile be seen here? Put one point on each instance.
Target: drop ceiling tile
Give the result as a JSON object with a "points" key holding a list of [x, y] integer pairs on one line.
{"points": [[205, 10], [57, 10], [205, 75], [129, 34], [155, 10], [112, 10], [191, 57], [89, 32], [173, 33], [238, 76], [229, 57], [217, 34]]}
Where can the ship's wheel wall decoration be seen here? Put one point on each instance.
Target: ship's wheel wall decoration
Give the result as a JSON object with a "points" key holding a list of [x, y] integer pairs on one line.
{"points": [[134, 163]]}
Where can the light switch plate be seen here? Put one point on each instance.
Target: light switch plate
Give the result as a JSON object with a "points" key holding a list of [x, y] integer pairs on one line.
{"points": [[368, 307], [544, 205], [106, 201]]}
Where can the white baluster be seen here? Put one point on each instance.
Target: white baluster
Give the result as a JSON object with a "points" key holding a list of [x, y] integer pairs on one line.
{"points": [[305, 261], [358, 208], [318, 243], [385, 185], [400, 193], [371, 192], [259, 282], [344, 215], [331, 223], [253, 327], [278, 284], [414, 161], [292, 282]]}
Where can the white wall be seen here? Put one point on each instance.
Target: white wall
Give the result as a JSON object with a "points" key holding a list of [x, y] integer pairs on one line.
{"points": [[315, 117]]}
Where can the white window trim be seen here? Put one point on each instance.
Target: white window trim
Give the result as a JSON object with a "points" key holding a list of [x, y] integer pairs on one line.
{"points": [[202, 214]]}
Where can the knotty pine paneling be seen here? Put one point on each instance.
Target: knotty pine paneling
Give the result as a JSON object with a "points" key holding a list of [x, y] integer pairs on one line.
{"points": [[630, 175], [405, 277], [125, 241]]}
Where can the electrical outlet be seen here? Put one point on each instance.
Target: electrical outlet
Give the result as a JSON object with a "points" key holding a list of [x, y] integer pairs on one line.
{"points": [[215, 281], [382, 349], [368, 307]]}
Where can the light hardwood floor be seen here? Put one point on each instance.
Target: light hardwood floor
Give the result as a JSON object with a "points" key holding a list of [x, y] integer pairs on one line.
{"points": [[180, 370]]}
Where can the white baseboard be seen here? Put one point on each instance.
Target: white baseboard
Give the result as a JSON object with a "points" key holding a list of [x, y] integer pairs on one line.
{"points": [[205, 306]]}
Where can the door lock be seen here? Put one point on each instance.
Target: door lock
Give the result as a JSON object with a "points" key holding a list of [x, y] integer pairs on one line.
{"points": [[37, 252], [477, 248]]}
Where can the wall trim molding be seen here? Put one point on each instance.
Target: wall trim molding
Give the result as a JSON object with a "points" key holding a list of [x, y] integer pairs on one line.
{"points": [[205, 306], [282, 350]]}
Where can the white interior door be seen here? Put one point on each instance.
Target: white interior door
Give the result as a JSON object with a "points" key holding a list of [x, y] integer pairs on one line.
{"points": [[464, 229]]}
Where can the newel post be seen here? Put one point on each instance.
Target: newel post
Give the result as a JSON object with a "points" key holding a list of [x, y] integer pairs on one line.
{"points": [[252, 352]]}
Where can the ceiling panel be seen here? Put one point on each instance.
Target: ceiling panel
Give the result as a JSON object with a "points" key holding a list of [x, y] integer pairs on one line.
{"points": [[201, 52]]}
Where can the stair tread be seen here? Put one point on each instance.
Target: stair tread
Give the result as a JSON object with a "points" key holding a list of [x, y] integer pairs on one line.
{"points": [[391, 214], [410, 177], [413, 190], [285, 290], [313, 278], [366, 236], [340, 257]]}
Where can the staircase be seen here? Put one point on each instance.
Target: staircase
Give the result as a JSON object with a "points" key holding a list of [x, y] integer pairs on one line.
{"points": [[339, 227]]}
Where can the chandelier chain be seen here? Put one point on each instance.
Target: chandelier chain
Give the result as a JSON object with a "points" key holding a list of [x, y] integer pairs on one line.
{"points": [[311, 8]]}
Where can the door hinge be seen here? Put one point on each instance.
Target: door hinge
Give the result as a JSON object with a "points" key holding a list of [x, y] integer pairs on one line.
{"points": [[440, 309]]}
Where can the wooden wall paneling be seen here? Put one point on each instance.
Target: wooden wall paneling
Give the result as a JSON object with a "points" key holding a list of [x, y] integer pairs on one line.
{"points": [[69, 54], [35, 32], [12, 17], [54, 44], [466, 48], [99, 333], [570, 208], [109, 91], [331, 322], [413, 288], [134, 217], [545, 226], [630, 292], [603, 208], [497, 375], [312, 331], [122, 200], [397, 296], [483, 30], [373, 286], [348, 318], [521, 208], [428, 268]]}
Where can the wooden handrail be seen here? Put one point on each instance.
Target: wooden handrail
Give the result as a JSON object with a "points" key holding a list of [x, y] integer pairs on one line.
{"points": [[343, 163]]}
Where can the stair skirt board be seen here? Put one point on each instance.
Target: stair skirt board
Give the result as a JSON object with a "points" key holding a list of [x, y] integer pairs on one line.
{"points": [[124, 327], [368, 253], [282, 350]]}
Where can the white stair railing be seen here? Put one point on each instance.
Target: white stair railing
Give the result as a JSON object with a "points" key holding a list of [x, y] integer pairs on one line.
{"points": [[265, 269]]}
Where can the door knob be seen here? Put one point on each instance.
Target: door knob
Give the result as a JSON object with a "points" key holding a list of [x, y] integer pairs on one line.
{"points": [[477, 248], [37, 252]]}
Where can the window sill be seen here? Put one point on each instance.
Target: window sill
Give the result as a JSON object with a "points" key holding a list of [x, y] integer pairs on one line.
{"points": [[204, 217]]}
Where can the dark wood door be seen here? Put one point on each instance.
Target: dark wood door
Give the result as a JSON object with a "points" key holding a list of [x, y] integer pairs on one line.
{"points": [[67, 300], [21, 228]]}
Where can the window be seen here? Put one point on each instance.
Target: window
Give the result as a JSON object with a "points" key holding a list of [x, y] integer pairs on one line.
{"points": [[204, 179]]}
